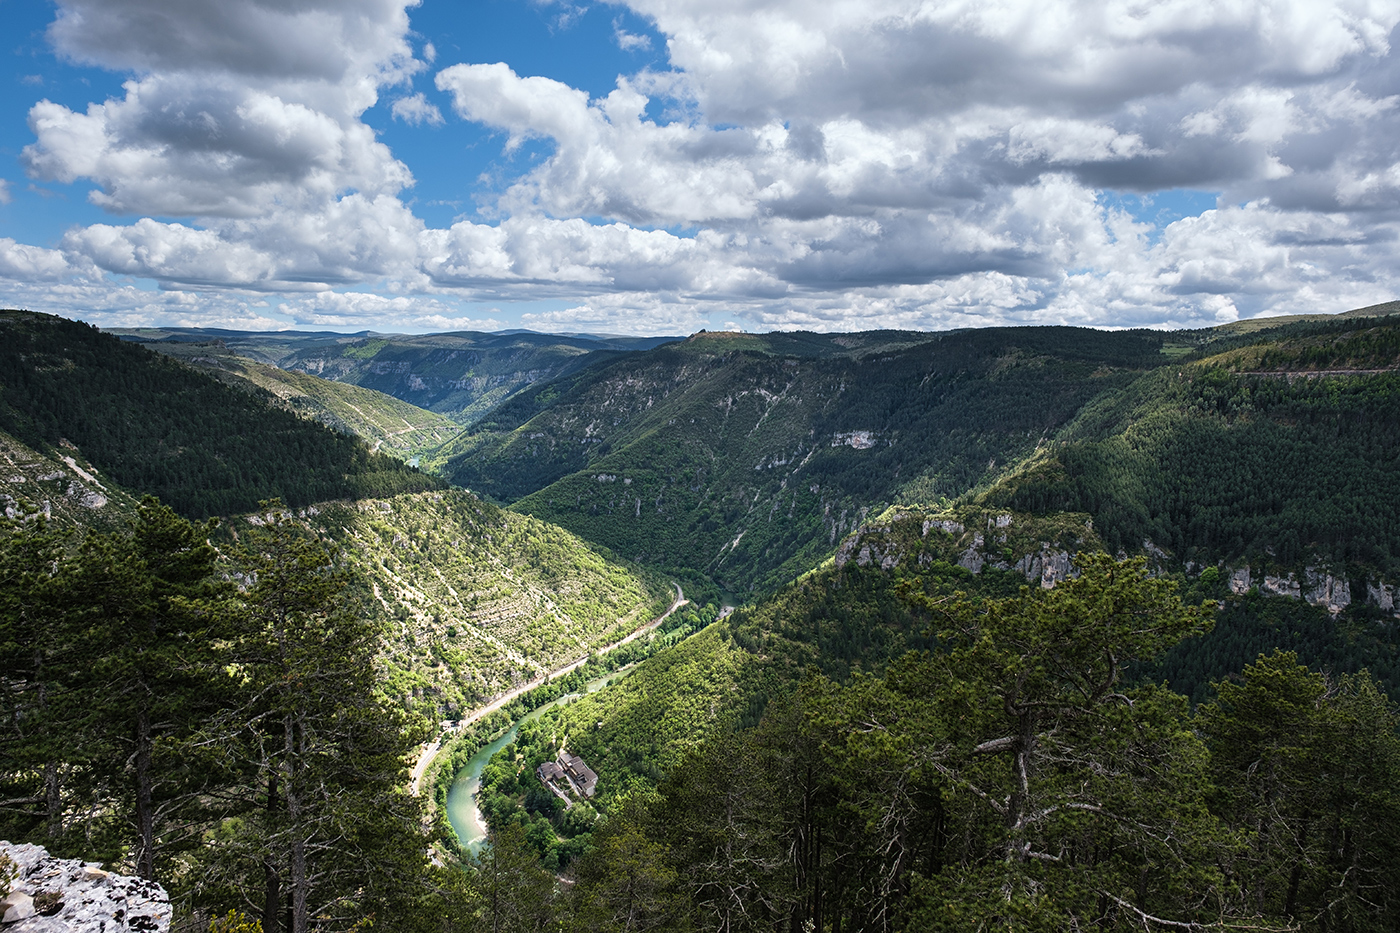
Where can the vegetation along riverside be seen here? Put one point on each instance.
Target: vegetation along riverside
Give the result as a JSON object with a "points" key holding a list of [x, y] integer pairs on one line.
{"points": [[1033, 629]]}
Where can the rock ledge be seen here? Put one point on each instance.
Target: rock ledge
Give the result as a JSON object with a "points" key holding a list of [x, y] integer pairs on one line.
{"points": [[54, 895]]}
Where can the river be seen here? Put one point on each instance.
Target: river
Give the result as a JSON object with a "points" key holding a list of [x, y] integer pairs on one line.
{"points": [[462, 811]]}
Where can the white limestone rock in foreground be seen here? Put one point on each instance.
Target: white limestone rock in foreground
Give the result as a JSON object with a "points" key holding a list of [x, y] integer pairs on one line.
{"points": [[88, 899]]}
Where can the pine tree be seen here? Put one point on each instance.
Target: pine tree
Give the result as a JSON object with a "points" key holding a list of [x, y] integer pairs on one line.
{"points": [[334, 837]]}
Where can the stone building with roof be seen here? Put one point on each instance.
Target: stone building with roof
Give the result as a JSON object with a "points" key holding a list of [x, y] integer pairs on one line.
{"points": [[568, 775]]}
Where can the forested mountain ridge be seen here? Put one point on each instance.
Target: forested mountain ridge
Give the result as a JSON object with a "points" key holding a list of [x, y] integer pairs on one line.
{"points": [[461, 374], [1281, 454], [157, 426], [385, 423], [748, 457]]}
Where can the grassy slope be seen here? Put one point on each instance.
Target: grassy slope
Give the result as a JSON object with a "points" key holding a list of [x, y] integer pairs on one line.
{"points": [[386, 423]]}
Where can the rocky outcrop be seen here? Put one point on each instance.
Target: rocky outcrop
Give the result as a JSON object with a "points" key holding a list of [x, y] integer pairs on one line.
{"points": [[54, 895], [1319, 587], [1331, 593], [945, 525], [1381, 595], [924, 538], [860, 440], [972, 559], [1049, 566], [1281, 586], [865, 553]]}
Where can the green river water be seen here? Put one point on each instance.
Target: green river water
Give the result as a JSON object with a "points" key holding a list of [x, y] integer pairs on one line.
{"points": [[462, 811]]}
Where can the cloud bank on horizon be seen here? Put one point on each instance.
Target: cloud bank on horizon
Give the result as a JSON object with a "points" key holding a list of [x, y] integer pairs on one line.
{"points": [[786, 164]]}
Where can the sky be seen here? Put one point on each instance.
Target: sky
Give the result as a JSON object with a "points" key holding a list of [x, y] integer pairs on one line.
{"points": [[662, 166]]}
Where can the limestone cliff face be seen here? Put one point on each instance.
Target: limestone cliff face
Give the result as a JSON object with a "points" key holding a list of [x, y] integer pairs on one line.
{"points": [[1048, 566], [54, 895], [1381, 595], [973, 540], [1043, 552], [1319, 586], [1323, 589]]}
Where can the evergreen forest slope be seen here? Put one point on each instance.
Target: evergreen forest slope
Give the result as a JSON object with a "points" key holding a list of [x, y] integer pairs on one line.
{"points": [[869, 606], [1277, 454], [159, 427]]}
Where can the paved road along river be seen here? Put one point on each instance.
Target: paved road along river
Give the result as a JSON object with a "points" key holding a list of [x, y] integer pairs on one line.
{"points": [[462, 811]]}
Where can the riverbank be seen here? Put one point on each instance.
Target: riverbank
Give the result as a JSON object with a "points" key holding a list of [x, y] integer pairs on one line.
{"points": [[430, 751], [461, 806]]}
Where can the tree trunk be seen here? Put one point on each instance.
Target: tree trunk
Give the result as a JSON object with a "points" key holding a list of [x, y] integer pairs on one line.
{"points": [[272, 879], [1290, 903], [297, 863], [145, 809], [53, 800]]}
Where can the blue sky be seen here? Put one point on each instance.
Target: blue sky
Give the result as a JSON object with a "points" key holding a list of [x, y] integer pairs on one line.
{"points": [[577, 47], [657, 166]]}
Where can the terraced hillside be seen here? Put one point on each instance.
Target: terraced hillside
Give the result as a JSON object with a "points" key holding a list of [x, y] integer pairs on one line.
{"points": [[473, 599]]}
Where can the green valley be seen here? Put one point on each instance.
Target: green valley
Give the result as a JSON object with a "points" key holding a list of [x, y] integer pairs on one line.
{"points": [[747, 458], [1038, 628]]}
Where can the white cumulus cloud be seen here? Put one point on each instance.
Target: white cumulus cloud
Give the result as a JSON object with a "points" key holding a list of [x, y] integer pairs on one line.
{"points": [[416, 109]]}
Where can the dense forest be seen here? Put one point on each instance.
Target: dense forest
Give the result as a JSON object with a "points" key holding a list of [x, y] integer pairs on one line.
{"points": [[161, 428], [1279, 453], [1016, 776]]}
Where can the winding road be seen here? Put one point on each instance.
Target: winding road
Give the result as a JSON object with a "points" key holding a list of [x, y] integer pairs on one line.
{"points": [[430, 751]]}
